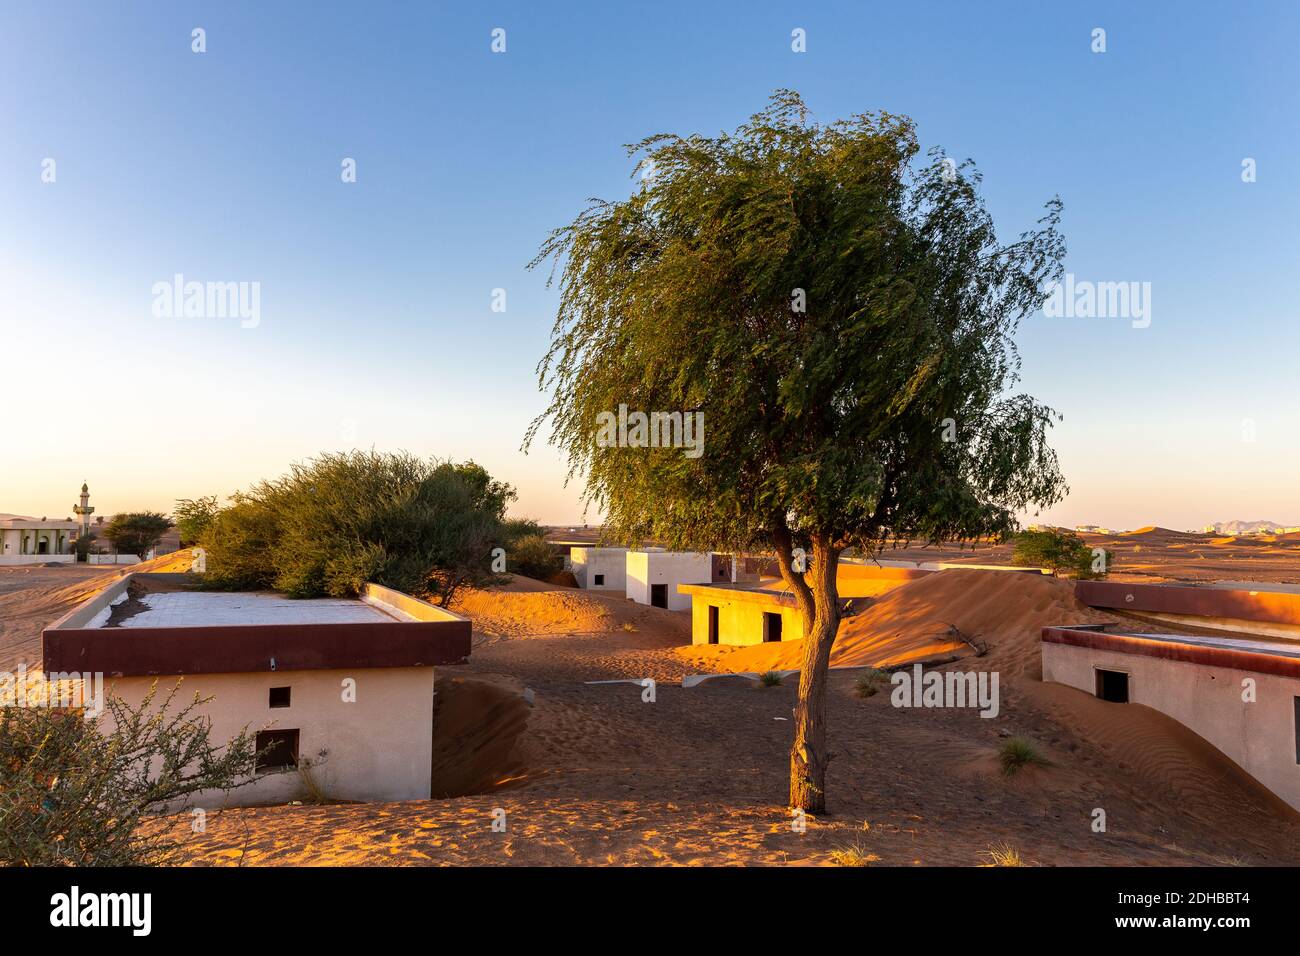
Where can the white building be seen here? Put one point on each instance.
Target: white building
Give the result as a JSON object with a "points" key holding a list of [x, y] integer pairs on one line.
{"points": [[37, 541], [600, 569], [339, 694], [42, 541], [1201, 682], [653, 575]]}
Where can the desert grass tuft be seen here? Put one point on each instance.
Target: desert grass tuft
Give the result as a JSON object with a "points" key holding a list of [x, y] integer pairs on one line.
{"points": [[853, 854], [1017, 753], [1004, 854], [869, 681]]}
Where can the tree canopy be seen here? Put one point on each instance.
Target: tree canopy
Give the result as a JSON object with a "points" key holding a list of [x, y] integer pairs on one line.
{"points": [[137, 532]]}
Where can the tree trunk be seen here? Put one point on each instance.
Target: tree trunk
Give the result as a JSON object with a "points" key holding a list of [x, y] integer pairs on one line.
{"points": [[808, 754]]}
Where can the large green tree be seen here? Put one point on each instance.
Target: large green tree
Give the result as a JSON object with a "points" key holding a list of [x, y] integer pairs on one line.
{"points": [[842, 314]]}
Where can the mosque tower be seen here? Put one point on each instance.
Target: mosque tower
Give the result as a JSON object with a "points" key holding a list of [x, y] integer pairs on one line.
{"points": [[84, 509]]}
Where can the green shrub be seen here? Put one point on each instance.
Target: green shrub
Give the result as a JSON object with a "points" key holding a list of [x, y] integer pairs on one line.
{"points": [[73, 795], [770, 679], [340, 520], [1060, 551], [533, 556], [192, 517]]}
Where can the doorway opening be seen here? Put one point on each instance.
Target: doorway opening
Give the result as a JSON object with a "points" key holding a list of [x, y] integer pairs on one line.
{"points": [[771, 627], [1112, 686]]}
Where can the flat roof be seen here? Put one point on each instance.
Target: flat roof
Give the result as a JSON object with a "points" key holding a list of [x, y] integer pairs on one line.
{"points": [[148, 625], [214, 608], [1281, 658]]}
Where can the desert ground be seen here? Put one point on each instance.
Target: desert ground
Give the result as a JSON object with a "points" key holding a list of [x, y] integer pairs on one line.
{"points": [[592, 774]]}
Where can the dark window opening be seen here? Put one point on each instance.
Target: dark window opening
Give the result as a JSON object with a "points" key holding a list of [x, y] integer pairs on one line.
{"points": [[279, 697], [599, 581], [1112, 686], [659, 595], [771, 627], [713, 624], [276, 750], [1297, 729]]}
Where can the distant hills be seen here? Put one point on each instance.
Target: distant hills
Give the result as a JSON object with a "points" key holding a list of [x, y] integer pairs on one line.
{"points": [[1246, 527]]}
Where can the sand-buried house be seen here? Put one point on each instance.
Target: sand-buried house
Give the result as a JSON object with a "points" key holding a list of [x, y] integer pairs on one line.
{"points": [[340, 693], [1239, 689]]}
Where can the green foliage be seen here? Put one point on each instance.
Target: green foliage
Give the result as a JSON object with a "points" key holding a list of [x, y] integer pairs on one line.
{"points": [[137, 532], [827, 421], [340, 520], [770, 679], [192, 517], [512, 529], [869, 681], [1059, 551], [842, 316], [534, 557], [73, 791], [1018, 752], [82, 546]]}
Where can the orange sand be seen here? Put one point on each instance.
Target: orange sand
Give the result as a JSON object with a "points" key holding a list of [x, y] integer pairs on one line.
{"points": [[596, 775], [1004, 609]]}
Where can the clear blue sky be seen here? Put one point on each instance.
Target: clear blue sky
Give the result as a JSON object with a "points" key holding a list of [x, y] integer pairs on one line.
{"points": [[376, 327]]}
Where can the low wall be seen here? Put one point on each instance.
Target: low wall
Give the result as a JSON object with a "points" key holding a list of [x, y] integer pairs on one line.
{"points": [[1269, 613], [19, 559], [1201, 687]]}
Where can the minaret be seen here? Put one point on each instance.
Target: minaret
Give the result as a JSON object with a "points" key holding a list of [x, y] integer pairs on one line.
{"points": [[84, 509]]}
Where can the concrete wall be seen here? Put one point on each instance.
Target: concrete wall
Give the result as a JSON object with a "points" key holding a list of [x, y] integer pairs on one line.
{"points": [[669, 568], [1259, 737], [17, 559], [379, 748], [610, 562], [740, 615]]}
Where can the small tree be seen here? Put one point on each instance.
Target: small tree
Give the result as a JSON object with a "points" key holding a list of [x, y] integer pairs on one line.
{"points": [[1060, 552], [137, 532], [83, 544], [192, 517], [842, 316], [73, 794]]}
